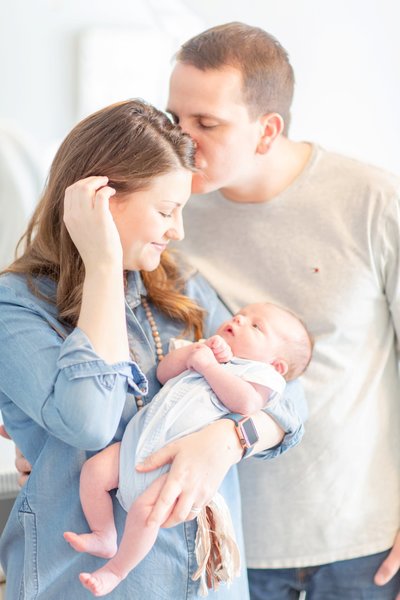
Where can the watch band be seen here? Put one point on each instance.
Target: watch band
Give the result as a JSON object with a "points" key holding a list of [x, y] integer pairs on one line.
{"points": [[245, 430]]}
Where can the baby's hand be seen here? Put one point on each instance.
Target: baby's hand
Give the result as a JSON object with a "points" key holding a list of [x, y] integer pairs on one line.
{"points": [[200, 358], [220, 348]]}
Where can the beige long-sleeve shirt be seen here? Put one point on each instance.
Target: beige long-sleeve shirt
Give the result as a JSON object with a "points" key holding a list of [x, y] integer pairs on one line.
{"points": [[328, 249]]}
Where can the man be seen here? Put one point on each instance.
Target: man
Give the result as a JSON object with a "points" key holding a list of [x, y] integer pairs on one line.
{"points": [[290, 223]]}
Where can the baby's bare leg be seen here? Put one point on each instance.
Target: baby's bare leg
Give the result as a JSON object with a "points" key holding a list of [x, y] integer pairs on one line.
{"points": [[137, 541], [99, 475]]}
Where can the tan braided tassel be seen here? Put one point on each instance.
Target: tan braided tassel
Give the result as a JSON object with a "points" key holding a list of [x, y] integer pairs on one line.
{"points": [[216, 549]]}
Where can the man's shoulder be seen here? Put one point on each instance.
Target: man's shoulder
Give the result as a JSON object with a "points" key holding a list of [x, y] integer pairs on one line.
{"points": [[351, 170], [199, 203]]}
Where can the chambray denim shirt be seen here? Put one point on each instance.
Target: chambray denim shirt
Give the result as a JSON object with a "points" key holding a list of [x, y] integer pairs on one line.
{"points": [[61, 403]]}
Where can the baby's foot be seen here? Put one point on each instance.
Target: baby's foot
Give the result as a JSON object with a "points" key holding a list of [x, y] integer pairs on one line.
{"points": [[100, 582], [104, 546]]}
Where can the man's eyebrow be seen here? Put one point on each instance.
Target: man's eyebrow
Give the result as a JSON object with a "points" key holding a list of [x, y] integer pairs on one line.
{"points": [[206, 116], [198, 115]]}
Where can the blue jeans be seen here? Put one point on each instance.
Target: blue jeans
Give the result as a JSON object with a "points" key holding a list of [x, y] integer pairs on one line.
{"points": [[343, 580]]}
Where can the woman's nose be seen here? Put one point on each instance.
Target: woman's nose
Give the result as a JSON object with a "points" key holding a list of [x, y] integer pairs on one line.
{"points": [[176, 232]]}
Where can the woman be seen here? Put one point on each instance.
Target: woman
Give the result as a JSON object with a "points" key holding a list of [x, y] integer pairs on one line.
{"points": [[85, 313]]}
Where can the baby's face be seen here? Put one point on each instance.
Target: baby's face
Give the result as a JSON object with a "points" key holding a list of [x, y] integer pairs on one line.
{"points": [[256, 332]]}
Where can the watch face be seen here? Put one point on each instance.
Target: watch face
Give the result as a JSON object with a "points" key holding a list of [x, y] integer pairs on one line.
{"points": [[249, 432]]}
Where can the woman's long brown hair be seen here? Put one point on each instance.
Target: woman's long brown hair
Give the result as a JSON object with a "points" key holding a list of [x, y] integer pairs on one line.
{"points": [[131, 143]]}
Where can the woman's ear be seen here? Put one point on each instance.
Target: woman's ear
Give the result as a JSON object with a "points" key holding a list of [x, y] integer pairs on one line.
{"points": [[272, 125], [281, 366]]}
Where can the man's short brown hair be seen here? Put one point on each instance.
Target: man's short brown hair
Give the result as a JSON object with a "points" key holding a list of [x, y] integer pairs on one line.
{"points": [[268, 79]]}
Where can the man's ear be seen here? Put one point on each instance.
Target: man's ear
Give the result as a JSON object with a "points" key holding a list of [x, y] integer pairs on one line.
{"points": [[281, 366], [272, 125]]}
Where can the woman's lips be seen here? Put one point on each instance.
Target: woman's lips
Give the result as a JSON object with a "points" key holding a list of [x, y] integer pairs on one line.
{"points": [[159, 247]]}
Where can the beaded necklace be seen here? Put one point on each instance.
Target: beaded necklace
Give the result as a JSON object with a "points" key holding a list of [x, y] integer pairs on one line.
{"points": [[157, 341], [154, 331]]}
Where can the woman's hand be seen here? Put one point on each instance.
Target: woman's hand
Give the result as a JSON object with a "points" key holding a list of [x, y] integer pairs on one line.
{"points": [[90, 224], [200, 462], [89, 221]]}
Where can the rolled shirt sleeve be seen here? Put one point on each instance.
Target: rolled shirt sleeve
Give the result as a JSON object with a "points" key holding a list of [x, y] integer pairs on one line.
{"points": [[86, 390], [61, 384], [290, 412]]}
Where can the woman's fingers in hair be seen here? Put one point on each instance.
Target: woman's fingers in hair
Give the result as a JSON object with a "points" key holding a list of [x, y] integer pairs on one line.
{"points": [[83, 192], [102, 197], [90, 224], [92, 183]]}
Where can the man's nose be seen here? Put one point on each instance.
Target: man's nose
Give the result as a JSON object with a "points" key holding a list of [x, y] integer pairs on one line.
{"points": [[188, 127]]}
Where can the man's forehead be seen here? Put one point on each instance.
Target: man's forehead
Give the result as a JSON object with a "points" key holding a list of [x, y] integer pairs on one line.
{"points": [[205, 91]]}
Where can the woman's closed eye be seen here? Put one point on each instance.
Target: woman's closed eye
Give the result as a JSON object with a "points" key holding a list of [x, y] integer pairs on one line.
{"points": [[165, 215]]}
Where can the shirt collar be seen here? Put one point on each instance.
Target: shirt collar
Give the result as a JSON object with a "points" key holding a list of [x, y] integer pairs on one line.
{"points": [[135, 288]]}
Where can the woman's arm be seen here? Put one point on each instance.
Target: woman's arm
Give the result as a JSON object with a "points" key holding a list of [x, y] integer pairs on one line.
{"points": [[73, 388], [90, 224], [62, 385], [199, 463], [270, 433]]}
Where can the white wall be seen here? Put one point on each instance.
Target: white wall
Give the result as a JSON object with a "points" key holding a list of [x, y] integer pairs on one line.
{"points": [[39, 43]]}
